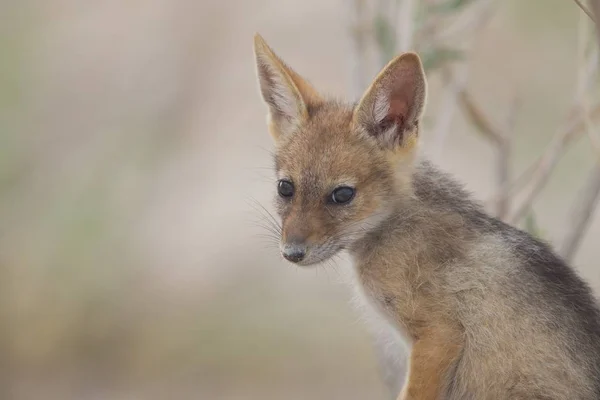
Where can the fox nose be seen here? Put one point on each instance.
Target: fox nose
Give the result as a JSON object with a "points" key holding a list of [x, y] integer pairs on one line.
{"points": [[294, 252]]}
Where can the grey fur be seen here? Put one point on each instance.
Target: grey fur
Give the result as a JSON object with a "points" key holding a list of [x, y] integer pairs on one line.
{"points": [[531, 326], [489, 312]]}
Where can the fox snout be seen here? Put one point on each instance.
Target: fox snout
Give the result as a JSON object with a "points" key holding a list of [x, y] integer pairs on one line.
{"points": [[294, 251], [304, 243], [309, 248], [296, 241], [308, 234]]}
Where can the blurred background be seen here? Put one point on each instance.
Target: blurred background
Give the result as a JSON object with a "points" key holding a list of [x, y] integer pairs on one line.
{"points": [[133, 151]]}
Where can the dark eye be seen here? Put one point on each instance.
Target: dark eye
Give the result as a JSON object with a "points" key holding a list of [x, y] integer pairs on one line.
{"points": [[342, 195], [285, 188]]}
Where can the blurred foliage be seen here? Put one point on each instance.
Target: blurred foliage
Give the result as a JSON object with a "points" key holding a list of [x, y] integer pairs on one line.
{"points": [[448, 6], [434, 54], [531, 226], [436, 58], [385, 35], [82, 307]]}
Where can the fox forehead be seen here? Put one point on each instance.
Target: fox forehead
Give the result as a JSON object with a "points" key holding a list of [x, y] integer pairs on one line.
{"points": [[328, 149]]}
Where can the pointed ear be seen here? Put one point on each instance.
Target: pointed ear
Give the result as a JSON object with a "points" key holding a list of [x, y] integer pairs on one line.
{"points": [[391, 108], [286, 93]]}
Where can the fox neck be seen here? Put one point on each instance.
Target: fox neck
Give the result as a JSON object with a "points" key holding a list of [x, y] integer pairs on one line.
{"points": [[399, 215], [434, 216]]}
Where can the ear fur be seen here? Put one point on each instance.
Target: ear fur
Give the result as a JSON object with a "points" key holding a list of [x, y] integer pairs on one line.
{"points": [[391, 108], [285, 92]]}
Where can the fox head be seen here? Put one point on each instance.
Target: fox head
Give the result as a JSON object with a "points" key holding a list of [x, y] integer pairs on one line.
{"points": [[342, 169]]}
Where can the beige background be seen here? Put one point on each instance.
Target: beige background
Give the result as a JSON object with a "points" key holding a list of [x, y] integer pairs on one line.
{"points": [[132, 144]]}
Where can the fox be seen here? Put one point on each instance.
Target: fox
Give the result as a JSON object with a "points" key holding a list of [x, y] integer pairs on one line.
{"points": [[485, 310]]}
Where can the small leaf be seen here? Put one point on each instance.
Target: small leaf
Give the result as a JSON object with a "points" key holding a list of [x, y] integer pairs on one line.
{"points": [[531, 225], [435, 58], [385, 36], [449, 6]]}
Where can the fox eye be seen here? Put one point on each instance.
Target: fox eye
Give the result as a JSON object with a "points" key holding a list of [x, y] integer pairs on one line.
{"points": [[285, 188], [342, 195]]}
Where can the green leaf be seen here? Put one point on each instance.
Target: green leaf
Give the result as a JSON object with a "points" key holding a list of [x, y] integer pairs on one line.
{"points": [[531, 225], [449, 6], [385, 35], [437, 57]]}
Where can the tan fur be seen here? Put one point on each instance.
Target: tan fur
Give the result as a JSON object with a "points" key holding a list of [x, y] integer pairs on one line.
{"points": [[433, 353], [412, 297], [404, 68], [473, 298], [299, 90]]}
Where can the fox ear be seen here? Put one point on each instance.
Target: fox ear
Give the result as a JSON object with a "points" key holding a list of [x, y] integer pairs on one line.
{"points": [[391, 108], [285, 92]]}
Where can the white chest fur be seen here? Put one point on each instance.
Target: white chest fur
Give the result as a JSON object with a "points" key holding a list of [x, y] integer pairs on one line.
{"points": [[391, 345]]}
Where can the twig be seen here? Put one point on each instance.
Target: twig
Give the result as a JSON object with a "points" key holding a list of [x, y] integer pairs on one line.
{"points": [[576, 124], [584, 205], [405, 25], [477, 118], [455, 83], [547, 162], [448, 109], [581, 214], [586, 77], [502, 177], [585, 10], [555, 150], [502, 141], [385, 29], [503, 161], [472, 19], [596, 16], [358, 45]]}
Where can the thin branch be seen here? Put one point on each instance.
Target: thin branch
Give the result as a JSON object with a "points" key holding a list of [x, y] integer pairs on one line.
{"points": [[358, 52], [594, 137], [541, 175], [585, 10], [503, 161], [479, 119], [596, 12], [470, 20], [515, 185], [584, 206], [455, 82], [547, 162], [448, 108], [581, 214], [524, 178], [502, 141], [405, 25], [586, 78], [536, 173], [502, 206]]}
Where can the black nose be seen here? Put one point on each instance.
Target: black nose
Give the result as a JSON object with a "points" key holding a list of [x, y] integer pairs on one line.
{"points": [[294, 253]]}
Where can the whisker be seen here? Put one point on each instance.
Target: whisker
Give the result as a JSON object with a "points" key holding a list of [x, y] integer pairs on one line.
{"points": [[267, 216]]}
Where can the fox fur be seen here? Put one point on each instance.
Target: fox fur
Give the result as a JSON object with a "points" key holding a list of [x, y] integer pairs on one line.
{"points": [[487, 311]]}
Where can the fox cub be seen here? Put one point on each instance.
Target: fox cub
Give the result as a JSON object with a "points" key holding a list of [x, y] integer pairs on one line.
{"points": [[488, 311]]}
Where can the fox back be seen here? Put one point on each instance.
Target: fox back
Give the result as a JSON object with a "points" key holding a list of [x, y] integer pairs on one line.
{"points": [[488, 311]]}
